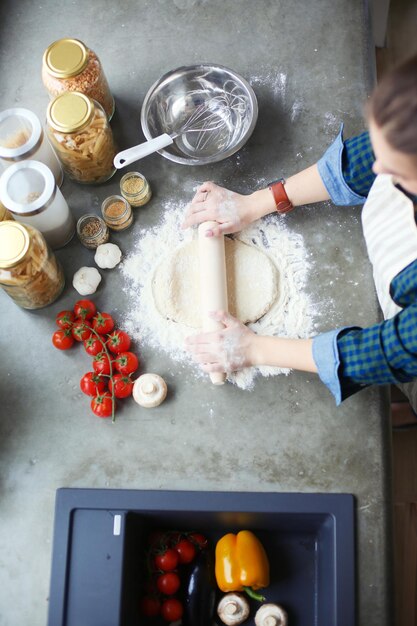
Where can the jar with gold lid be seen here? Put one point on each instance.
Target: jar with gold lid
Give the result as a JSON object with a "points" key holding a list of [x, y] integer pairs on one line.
{"points": [[22, 138], [29, 272], [68, 65], [135, 189], [80, 133]]}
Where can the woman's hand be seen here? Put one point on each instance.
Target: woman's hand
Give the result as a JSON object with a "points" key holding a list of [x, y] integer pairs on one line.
{"points": [[226, 350], [235, 346], [232, 211]]}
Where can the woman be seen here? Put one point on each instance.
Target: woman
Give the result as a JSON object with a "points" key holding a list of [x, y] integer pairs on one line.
{"points": [[377, 169]]}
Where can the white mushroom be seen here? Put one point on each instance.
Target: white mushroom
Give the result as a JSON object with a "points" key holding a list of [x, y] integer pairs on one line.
{"points": [[233, 609], [271, 615], [86, 280], [149, 390], [107, 255]]}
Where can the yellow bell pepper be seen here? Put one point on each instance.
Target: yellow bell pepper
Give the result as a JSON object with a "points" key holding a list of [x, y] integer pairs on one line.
{"points": [[241, 564]]}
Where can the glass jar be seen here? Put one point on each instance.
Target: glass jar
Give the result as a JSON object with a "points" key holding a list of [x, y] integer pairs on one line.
{"points": [[28, 189], [68, 65], [29, 272], [92, 231], [135, 189], [79, 132], [4, 213], [117, 213], [22, 137]]}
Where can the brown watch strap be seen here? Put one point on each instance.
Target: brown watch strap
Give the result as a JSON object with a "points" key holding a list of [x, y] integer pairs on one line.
{"points": [[282, 202]]}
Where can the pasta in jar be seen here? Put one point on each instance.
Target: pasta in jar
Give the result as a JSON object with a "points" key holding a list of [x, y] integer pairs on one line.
{"points": [[82, 138], [29, 272]]}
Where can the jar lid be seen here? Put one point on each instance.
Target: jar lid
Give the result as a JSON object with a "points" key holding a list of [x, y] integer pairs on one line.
{"points": [[14, 243], [27, 188], [13, 118], [70, 111], [65, 58]]}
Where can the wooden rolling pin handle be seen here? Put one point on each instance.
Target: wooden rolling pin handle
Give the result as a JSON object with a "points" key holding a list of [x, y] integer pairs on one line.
{"points": [[213, 283]]}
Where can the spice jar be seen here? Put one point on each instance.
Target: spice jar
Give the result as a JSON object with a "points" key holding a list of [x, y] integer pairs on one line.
{"points": [[29, 271], [81, 135], [92, 231], [22, 137], [28, 189], [68, 65], [117, 213], [135, 189]]}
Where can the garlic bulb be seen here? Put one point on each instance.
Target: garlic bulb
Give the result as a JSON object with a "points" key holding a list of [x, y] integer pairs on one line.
{"points": [[107, 255], [86, 280]]}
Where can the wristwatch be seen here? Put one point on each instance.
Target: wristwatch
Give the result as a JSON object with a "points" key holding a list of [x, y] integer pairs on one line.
{"points": [[282, 202]]}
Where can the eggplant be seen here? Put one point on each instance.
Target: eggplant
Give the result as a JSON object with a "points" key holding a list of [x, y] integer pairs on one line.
{"points": [[199, 588]]}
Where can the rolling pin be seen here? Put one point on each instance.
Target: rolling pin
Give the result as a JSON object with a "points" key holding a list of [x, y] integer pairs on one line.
{"points": [[213, 283]]}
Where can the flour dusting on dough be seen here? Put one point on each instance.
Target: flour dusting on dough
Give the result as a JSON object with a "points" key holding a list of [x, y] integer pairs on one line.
{"points": [[290, 316]]}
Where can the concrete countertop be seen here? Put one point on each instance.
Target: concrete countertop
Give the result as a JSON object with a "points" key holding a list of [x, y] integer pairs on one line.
{"points": [[311, 67]]}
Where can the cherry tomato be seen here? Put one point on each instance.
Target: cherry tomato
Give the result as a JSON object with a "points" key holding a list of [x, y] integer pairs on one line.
{"points": [[118, 341], [122, 386], [64, 319], [81, 329], [126, 363], [93, 345], [171, 610], [103, 323], [85, 309], [102, 404], [167, 561], [150, 606], [62, 339], [198, 540], [168, 583], [92, 384], [186, 551], [101, 364]]}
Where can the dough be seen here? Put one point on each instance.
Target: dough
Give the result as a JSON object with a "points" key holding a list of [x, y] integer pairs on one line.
{"points": [[252, 283]]}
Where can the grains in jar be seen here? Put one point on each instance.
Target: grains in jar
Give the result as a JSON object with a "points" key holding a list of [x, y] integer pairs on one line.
{"points": [[92, 231], [117, 213], [22, 138], [29, 272], [135, 189], [28, 189], [68, 65], [82, 138]]}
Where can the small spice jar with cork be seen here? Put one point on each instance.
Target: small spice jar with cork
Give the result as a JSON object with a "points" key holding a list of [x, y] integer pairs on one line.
{"points": [[117, 213], [135, 189], [92, 231]]}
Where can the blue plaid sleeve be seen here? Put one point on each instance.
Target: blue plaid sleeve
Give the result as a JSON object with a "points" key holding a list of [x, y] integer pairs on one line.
{"points": [[357, 160], [350, 359], [346, 169]]}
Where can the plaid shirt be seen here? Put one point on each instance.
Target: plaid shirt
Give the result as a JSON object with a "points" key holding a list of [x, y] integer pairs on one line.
{"points": [[385, 352]]}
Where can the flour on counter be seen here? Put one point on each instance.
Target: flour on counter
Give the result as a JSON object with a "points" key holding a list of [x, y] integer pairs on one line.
{"points": [[290, 316]]}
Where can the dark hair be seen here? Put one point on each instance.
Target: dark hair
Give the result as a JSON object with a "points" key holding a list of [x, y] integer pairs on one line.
{"points": [[393, 106]]}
